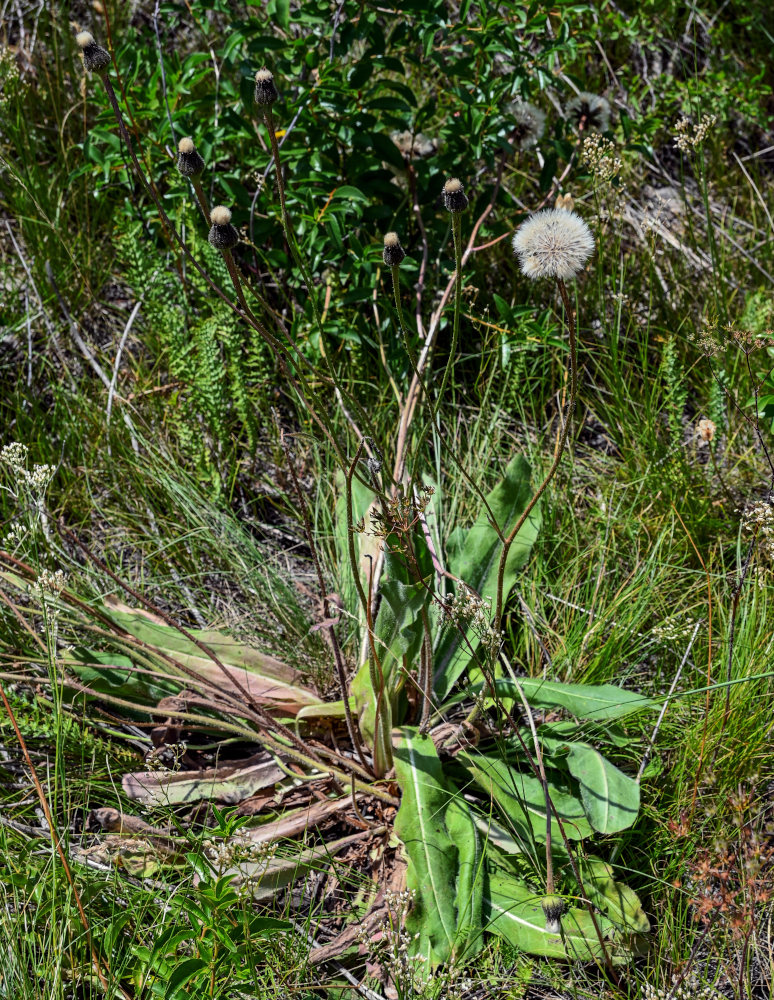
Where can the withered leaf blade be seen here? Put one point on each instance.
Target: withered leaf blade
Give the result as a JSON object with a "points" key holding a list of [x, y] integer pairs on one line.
{"points": [[224, 784]]}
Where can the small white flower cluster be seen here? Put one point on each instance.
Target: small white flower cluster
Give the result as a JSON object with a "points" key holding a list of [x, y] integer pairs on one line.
{"points": [[758, 516], [49, 585], [689, 989], [688, 136], [598, 153], [15, 457], [674, 627], [15, 535], [238, 850], [758, 519], [405, 971], [465, 608], [167, 757]]}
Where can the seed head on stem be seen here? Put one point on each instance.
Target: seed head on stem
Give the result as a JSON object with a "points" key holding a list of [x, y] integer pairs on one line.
{"points": [[266, 92], [223, 236], [95, 58], [189, 162], [393, 253], [553, 243]]}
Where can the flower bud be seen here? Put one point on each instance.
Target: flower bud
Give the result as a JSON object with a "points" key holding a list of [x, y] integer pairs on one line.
{"points": [[265, 90], [706, 429], [189, 163], [393, 251], [223, 236], [553, 908], [95, 58], [454, 198]]}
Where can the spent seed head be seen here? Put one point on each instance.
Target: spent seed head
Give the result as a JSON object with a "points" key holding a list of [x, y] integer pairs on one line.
{"points": [[530, 124], [454, 198], [589, 112], [553, 243], [95, 58], [393, 252], [189, 162], [266, 92], [223, 236]]}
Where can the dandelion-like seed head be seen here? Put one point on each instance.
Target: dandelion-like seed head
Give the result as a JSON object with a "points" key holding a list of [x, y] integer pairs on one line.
{"points": [[95, 58], [393, 251], [706, 429], [454, 198], [189, 162], [530, 124], [223, 236], [589, 112], [553, 243], [266, 92]]}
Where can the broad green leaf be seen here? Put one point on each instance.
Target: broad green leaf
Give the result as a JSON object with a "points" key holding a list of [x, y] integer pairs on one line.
{"points": [[366, 544], [514, 912], [476, 562], [610, 797], [618, 901], [588, 701], [184, 972], [522, 800], [433, 858], [470, 881]]}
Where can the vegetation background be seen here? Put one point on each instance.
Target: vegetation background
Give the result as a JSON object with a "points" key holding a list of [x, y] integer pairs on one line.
{"points": [[172, 440]]}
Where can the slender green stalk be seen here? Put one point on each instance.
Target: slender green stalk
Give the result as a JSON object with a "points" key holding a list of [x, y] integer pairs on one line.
{"points": [[570, 317], [201, 198], [457, 233]]}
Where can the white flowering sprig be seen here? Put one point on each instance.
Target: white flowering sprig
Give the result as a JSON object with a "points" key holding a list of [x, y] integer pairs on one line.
{"points": [[467, 609], [28, 488], [598, 153], [689, 137]]}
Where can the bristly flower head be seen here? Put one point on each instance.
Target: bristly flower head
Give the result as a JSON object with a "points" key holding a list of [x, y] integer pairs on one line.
{"points": [[189, 163], [530, 124], [266, 92], [553, 908], [706, 430], [223, 236], [454, 198], [589, 112], [95, 58], [553, 243], [393, 252]]}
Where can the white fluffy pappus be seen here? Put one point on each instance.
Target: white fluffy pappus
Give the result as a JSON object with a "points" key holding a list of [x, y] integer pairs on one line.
{"points": [[553, 243], [220, 215]]}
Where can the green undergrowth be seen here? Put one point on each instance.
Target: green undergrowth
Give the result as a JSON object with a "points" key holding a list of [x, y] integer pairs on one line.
{"points": [[181, 496]]}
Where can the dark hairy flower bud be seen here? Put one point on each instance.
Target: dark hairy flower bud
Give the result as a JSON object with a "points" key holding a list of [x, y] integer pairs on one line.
{"points": [[265, 90], [553, 908], [189, 163], [223, 236], [454, 198], [393, 251], [95, 58]]}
